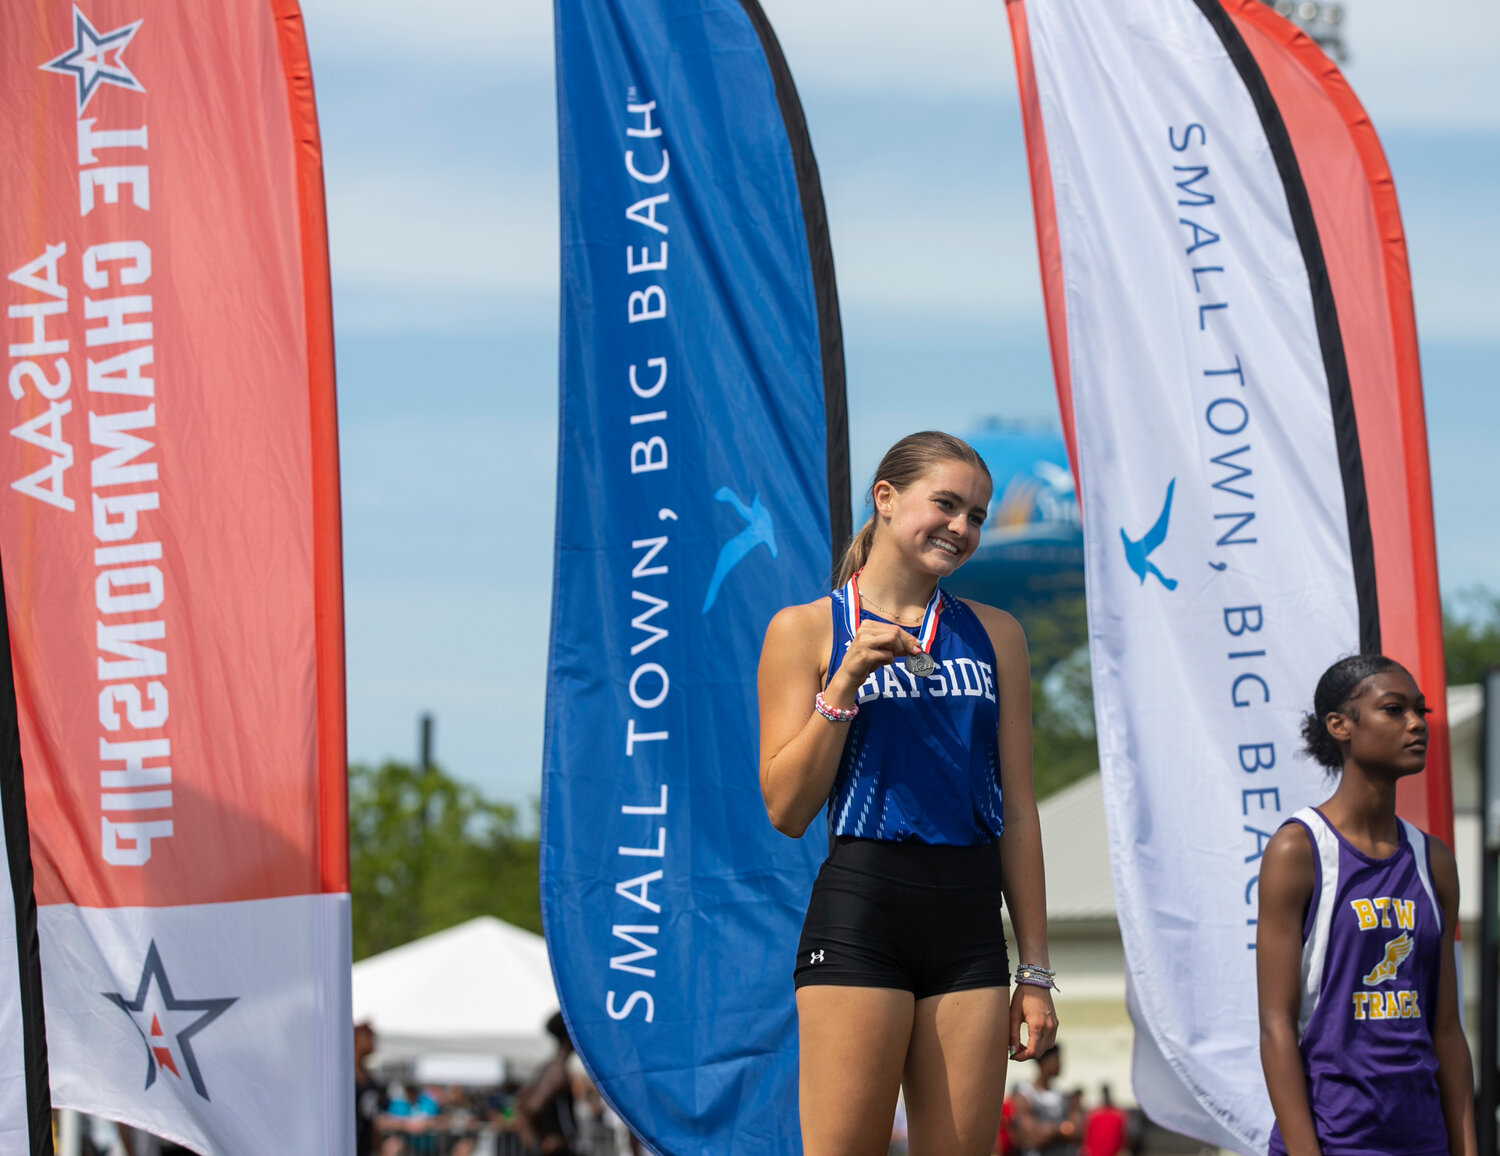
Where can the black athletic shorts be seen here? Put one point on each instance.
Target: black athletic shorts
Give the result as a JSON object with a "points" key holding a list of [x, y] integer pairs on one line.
{"points": [[911, 916]]}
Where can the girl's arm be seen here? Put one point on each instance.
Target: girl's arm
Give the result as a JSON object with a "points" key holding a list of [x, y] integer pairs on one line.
{"points": [[1286, 883], [799, 748], [1455, 1067], [1021, 868]]}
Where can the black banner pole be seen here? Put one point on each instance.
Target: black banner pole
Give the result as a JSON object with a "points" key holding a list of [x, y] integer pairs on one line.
{"points": [[18, 862]]}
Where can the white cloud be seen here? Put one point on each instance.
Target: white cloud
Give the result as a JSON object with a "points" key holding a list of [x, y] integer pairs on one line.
{"points": [[443, 230], [959, 46], [456, 463], [503, 33], [1435, 64], [957, 264], [899, 103]]}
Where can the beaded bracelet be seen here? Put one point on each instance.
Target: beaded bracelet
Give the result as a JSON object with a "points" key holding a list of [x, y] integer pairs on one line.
{"points": [[1037, 976], [833, 713]]}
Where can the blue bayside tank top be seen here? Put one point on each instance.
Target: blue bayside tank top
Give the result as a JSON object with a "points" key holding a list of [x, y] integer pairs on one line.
{"points": [[921, 761], [1371, 952]]}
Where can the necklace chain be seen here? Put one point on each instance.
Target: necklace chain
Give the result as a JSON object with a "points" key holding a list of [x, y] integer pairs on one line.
{"points": [[863, 597]]}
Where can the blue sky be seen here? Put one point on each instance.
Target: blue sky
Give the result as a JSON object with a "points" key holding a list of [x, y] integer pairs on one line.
{"points": [[440, 150]]}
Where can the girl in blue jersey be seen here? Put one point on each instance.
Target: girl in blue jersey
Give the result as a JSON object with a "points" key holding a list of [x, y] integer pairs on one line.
{"points": [[1359, 1030], [908, 712]]}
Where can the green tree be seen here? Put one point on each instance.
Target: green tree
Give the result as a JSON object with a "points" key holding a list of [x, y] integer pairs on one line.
{"points": [[1064, 748], [427, 852], [1471, 635], [1055, 626]]}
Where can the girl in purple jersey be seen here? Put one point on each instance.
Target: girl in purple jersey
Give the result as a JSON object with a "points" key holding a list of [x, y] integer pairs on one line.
{"points": [[908, 711], [1359, 1030]]}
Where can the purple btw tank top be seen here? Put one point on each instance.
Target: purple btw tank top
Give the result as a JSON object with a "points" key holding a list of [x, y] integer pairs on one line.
{"points": [[1371, 947]]}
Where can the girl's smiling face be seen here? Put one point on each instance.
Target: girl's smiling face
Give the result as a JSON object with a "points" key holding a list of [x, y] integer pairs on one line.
{"points": [[935, 521]]}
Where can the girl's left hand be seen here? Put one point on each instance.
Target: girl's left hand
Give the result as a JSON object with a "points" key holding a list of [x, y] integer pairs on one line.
{"points": [[1031, 1005]]}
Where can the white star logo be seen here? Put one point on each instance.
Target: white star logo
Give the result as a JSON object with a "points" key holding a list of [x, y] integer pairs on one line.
{"points": [[94, 59]]}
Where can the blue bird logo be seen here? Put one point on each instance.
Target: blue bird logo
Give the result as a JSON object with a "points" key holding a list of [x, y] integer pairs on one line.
{"points": [[1137, 552], [758, 529]]}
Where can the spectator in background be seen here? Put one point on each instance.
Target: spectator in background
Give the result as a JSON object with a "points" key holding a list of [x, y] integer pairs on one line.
{"points": [[1075, 1110], [500, 1104], [1107, 1128], [544, 1107], [417, 1116], [370, 1099], [1047, 1122], [596, 1135], [458, 1109]]}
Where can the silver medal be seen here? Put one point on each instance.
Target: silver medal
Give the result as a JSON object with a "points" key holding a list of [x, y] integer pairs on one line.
{"points": [[920, 665]]}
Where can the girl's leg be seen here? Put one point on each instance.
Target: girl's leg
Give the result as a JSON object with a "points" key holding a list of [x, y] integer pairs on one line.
{"points": [[852, 1046], [955, 1072]]}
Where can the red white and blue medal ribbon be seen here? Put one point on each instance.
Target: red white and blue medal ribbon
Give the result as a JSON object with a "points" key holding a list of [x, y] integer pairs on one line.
{"points": [[921, 665], [851, 604]]}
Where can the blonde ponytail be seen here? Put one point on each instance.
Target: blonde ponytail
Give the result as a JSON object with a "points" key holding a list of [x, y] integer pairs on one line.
{"points": [[857, 554]]}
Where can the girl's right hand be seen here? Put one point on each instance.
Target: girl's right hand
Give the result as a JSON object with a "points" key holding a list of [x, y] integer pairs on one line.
{"points": [[875, 644]]}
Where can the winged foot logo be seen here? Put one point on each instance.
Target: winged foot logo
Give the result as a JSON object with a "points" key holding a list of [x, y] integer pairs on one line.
{"points": [[1138, 551], [1395, 951]]}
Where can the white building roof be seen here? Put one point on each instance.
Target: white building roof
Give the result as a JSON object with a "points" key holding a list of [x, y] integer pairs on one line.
{"points": [[1075, 848]]}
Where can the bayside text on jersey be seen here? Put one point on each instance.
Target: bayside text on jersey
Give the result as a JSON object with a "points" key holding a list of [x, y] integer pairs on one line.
{"points": [[922, 759]]}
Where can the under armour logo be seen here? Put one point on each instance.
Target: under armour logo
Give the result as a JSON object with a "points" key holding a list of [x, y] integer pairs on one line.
{"points": [[817, 957]]}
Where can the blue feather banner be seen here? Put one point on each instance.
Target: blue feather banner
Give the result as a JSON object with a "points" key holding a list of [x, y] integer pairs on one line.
{"points": [[702, 485]]}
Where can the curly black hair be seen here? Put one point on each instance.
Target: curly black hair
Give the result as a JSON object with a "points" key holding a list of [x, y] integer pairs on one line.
{"points": [[1340, 684]]}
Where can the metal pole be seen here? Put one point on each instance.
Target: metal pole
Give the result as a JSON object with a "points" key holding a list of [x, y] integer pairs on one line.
{"points": [[69, 1133], [1489, 935], [424, 770], [424, 820]]}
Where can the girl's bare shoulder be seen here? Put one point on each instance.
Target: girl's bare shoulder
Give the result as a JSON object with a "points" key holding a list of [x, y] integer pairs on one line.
{"points": [[802, 624], [1004, 631], [992, 616], [1288, 858]]}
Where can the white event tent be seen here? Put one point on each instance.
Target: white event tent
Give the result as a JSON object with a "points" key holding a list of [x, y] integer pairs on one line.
{"points": [[481, 988]]}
